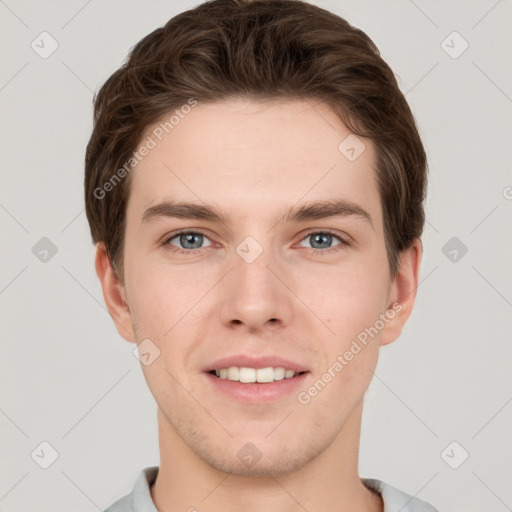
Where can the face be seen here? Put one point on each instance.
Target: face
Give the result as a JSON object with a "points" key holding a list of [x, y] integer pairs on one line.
{"points": [[264, 279]]}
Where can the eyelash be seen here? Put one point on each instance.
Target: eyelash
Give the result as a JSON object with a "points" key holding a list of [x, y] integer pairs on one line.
{"points": [[189, 252]]}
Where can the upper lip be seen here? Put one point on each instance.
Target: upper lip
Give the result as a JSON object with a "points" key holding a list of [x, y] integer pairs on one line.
{"points": [[255, 362]]}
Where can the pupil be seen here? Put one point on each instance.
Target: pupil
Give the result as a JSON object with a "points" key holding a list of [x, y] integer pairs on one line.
{"points": [[320, 237], [189, 238]]}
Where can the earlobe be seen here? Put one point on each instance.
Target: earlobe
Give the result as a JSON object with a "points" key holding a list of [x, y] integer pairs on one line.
{"points": [[114, 294], [403, 292]]}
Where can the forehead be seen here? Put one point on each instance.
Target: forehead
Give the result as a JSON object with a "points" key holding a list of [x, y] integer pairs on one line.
{"points": [[251, 156]]}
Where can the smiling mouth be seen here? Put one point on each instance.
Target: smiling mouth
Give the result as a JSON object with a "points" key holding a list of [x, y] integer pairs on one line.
{"points": [[248, 375]]}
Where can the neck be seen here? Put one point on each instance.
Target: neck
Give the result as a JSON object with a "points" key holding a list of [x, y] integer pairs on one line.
{"points": [[330, 482]]}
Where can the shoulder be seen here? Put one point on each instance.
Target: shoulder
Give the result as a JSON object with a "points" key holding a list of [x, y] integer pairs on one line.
{"points": [[124, 504], [140, 498], [395, 499]]}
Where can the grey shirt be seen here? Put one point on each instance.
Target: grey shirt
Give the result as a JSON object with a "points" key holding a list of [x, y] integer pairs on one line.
{"points": [[139, 500]]}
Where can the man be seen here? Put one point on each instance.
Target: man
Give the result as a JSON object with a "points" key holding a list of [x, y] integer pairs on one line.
{"points": [[255, 185]]}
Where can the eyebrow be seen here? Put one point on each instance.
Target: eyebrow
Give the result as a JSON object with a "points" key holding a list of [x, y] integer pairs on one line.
{"points": [[306, 212]]}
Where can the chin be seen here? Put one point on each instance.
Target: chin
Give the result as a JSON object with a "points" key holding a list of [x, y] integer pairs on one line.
{"points": [[257, 458], [266, 467]]}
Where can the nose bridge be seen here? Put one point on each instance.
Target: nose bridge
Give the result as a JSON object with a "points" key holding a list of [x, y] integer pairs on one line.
{"points": [[252, 293]]}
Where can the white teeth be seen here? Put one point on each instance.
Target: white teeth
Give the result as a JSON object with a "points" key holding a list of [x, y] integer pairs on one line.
{"points": [[233, 373], [279, 373], [248, 375], [265, 375]]}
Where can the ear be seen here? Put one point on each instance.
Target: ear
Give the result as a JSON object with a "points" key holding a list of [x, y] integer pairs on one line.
{"points": [[114, 294], [403, 292]]}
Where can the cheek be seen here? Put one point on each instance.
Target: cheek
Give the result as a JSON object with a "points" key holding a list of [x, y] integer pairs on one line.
{"points": [[155, 307], [347, 299], [168, 307]]}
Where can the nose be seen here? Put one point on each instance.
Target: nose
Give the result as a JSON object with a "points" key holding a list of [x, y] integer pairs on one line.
{"points": [[255, 295]]}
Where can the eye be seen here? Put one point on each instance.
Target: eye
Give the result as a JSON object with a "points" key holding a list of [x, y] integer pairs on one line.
{"points": [[188, 239], [322, 240]]}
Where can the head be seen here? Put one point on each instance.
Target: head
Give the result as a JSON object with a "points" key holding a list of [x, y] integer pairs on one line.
{"points": [[287, 131]]}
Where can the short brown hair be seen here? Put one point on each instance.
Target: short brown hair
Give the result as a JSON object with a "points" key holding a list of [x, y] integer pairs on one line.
{"points": [[260, 49]]}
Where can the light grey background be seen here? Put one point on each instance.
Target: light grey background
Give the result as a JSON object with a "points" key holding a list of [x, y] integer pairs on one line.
{"points": [[67, 377]]}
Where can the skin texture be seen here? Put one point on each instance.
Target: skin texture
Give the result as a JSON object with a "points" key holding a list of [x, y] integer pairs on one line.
{"points": [[250, 160]]}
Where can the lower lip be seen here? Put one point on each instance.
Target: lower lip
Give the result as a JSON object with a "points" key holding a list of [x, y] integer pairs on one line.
{"points": [[257, 392]]}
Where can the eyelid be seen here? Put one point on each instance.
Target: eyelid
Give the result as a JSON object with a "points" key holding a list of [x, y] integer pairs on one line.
{"points": [[341, 236], [166, 241], [185, 231]]}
